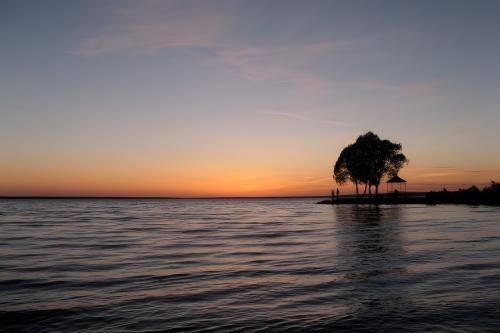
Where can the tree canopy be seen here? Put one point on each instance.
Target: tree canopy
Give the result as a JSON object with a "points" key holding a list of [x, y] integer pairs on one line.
{"points": [[367, 161]]}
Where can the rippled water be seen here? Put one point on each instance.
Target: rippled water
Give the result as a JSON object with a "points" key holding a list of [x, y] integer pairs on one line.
{"points": [[255, 265]]}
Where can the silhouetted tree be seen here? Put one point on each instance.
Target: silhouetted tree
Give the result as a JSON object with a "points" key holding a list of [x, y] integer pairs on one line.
{"points": [[493, 188], [344, 169], [367, 161]]}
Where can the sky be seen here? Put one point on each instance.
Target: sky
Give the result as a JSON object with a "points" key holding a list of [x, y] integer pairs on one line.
{"points": [[243, 98]]}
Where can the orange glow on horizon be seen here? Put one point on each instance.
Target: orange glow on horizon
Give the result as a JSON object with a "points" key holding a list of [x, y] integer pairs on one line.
{"points": [[224, 182], [225, 170]]}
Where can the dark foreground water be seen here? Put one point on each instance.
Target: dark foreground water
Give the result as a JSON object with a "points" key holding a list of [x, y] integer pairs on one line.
{"points": [[247, 266]]}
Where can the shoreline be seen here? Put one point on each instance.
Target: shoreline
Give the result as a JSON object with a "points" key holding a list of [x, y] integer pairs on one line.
{"points": [[428, 199]]}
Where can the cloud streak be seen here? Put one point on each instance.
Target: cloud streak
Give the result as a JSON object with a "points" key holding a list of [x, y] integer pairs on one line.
{"points": [[290, 64], [284, 114], [147, 27], [301, 117], [154, 25], [150, 26]]}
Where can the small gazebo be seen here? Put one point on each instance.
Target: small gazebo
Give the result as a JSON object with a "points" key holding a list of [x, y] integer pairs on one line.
{"points": [[396, 180]]}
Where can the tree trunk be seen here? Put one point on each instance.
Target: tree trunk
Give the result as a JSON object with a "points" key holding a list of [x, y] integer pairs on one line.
{"points": [[370, 191], [376, 190], [364, 192]]}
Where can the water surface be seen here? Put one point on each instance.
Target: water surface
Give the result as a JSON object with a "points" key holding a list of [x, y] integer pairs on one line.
{"points": [[254, 265]]}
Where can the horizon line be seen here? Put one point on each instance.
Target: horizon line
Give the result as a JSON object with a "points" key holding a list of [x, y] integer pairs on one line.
{"points": [[34, 197]]}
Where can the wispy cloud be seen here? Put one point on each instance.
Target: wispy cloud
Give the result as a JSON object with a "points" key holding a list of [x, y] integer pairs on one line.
{"points": [[149, 26], [449, 171], [153, 25], [285, 64], [284, 114], [145, 27], [442, 167], [483, 170], [302, 117], [336, 123], [410, 88], [438, 174]]}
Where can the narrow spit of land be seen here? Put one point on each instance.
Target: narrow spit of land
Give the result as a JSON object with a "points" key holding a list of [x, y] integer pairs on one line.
{"points": [[429, 198], [413, 198]]}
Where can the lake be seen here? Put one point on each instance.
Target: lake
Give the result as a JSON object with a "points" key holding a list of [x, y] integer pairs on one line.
{"points": [[247, 265]]}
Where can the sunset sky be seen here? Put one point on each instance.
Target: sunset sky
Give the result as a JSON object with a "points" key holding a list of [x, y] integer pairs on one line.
{"points": [[243, 98]]}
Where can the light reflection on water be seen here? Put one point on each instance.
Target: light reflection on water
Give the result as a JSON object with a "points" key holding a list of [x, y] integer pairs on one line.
{"points": [[247, 265]]}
